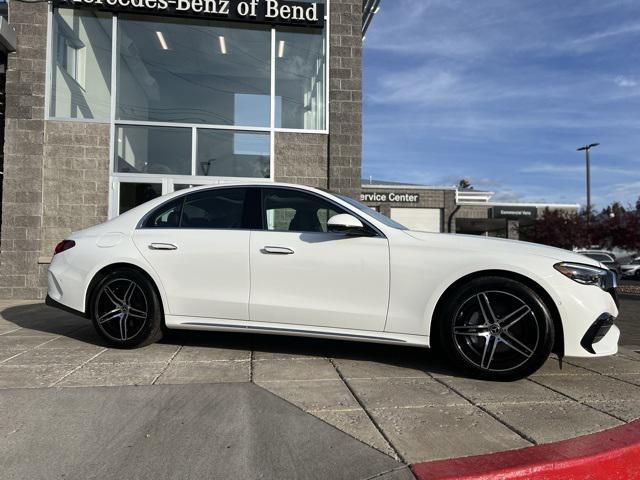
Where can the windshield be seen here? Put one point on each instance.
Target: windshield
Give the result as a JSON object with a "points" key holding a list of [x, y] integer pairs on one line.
{"points": [[372, 213]]}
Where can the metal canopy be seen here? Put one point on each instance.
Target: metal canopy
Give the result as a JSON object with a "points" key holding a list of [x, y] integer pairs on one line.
{"points": [[369, 8]]}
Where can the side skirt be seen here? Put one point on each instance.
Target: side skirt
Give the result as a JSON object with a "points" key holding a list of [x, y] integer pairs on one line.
{"points": [[224, 325]]}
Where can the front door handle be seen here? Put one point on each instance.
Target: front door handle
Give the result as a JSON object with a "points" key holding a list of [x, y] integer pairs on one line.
{"points": [[162, 246], [277, 251]]}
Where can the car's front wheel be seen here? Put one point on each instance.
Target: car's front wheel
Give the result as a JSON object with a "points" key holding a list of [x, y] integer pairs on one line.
{"points": [[126, 310], [496, 328]]}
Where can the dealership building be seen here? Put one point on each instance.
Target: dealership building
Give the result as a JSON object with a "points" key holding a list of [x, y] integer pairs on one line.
{"points": [[443, 209], [110, 103]]}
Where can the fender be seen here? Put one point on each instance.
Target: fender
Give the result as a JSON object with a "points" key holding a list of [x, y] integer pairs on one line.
{"points": [[464, 272]]}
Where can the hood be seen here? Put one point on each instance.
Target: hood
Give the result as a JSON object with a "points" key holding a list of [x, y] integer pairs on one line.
{"points": [[500, 245]]}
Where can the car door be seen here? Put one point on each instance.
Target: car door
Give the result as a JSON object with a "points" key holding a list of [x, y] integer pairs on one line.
{"points": [[304, 275], [199, 246]]}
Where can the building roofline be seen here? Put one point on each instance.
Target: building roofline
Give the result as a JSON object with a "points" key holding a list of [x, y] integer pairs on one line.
{"points": [[408, 187], [512, 204]]}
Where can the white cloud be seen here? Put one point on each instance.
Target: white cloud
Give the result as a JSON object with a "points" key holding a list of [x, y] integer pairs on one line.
{"points": [[625, 82]]}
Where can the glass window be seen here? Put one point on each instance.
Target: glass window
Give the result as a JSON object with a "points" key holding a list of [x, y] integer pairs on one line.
{"points": [[300, 80], [193, 71], [153, 150], [166, 216], [217, 208], [224, 153], [295, 211], [81, 65], [134, 194]]}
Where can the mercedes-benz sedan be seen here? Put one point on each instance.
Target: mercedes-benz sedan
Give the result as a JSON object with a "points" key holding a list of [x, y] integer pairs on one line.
{"points": [[292, 260]]}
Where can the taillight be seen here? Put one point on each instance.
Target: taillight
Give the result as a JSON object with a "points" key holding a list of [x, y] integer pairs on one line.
{"points": [[64, 245]]}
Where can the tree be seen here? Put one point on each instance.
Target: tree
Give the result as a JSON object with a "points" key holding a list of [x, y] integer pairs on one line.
{"points": [[615, 226], [464, 184], [557, 228]]}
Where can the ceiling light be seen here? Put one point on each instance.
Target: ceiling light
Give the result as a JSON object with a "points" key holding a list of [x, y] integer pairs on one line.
{"points": [[281, 49], [223, 45], [162, 41]]}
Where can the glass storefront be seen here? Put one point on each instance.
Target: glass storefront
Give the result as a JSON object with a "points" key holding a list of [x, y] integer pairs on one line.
{"points": [[190, 101]]}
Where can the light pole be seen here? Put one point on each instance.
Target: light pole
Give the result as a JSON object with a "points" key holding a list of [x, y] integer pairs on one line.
{"points": [[587, 150]]}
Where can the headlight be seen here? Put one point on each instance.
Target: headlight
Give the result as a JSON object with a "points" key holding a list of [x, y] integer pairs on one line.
{"points": [[584, 274]]}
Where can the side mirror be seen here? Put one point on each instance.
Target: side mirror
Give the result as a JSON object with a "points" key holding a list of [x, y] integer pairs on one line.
{"points": [[345, 223]]}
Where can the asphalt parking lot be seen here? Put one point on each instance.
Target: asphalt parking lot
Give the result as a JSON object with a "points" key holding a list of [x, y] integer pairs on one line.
{"points": [[234, 405]]}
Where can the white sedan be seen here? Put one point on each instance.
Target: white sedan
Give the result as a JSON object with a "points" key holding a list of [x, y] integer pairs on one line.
{"points": [[292, 260]]}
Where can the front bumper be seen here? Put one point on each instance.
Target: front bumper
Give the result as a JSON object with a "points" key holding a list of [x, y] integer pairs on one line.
{"points": [[583, 306], [598, 332]]}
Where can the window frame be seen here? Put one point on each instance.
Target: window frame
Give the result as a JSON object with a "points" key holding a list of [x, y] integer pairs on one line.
{"points": [[376, 232], [168, 180], [251, 204], [114, 33]]}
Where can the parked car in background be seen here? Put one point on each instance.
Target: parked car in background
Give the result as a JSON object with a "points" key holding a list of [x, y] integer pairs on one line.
{"points": [[631, 269], [608, 259]]}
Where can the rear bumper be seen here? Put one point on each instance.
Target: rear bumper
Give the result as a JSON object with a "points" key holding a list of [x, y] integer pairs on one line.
{"points": [[55, 304]]}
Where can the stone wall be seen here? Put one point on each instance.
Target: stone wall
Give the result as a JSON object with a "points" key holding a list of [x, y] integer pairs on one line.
{"points": [[76, 179], [345, 97], [22, 203], [301, 158]]}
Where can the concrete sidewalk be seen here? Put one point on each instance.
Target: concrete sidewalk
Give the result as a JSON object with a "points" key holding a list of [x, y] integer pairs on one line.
{"points": [[400, 401]]}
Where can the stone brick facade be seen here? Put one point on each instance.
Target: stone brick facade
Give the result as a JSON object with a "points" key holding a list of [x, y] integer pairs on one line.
{"points": [[301, 158], [76, 179], [22, 203]]}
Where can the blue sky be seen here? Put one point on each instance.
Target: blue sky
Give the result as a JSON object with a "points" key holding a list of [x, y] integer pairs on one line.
{"points": [[502, 92]]}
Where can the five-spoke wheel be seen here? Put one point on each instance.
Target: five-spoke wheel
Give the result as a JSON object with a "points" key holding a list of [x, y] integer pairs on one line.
{"points": [[497, 328], [125, 309]]}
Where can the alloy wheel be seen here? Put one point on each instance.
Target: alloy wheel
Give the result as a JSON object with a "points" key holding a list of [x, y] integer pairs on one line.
{"points": [[121, 309], [496, 331]]}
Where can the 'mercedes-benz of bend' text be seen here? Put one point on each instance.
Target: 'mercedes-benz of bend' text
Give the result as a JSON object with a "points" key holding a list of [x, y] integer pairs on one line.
{"points": [[262, 11]]}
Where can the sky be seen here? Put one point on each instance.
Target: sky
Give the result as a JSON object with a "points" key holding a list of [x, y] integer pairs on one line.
{"points": [[502, 92]]}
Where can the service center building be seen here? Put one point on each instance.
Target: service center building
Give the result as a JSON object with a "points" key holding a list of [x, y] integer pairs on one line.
{"points": [[110, 103]]}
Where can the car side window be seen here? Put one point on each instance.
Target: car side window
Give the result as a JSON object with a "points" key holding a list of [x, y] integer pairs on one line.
{"points": [[165, 216], [287, 210], [217, 208]]}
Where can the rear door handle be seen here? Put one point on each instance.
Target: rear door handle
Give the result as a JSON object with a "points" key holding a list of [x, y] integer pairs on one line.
{"points": [[277, 251], [162, 246]]}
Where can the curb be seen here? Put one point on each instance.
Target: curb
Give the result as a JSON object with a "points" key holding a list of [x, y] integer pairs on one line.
{"points": [[613, 453]]}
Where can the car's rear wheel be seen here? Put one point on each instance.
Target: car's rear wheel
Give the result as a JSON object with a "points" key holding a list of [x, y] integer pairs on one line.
{"points": [[496, 328], [126, 310]]}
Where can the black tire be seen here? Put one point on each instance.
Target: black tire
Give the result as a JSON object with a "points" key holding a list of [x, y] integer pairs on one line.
{"points": [[496, 328], [126, 310]]}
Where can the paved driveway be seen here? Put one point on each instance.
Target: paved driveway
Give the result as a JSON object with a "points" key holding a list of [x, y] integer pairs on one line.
{"points": [[402, 402]]}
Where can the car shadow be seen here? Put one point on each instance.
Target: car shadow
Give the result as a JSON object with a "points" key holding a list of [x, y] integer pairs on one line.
{"points": [[40, 317]]}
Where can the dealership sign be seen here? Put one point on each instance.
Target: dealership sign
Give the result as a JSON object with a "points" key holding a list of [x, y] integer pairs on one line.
{"points": [[389, 197], [275, 12], [514, 213]]}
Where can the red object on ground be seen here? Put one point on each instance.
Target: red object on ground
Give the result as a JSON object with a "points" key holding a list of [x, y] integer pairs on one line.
{"points": [[613, 454]]}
